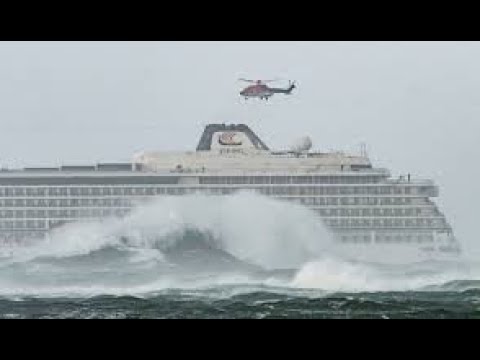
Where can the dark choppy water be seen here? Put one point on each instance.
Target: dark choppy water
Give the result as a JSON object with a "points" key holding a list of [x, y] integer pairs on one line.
{"points": [[255, 304], [230, 257]]}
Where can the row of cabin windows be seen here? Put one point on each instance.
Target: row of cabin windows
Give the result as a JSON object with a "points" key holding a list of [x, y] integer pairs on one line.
{"points": [[148, 191], [374, 212], [127, 202], [397, 238], [312, 179], [341, 190], [362, 201], [356, 238], [422, 238], [325, 201], [323, 212], [79, 191], [94, 191], [385, 223], [16, 237], [122, 202], [341, 223], [22, 224], [324, 191], [78, 213]]}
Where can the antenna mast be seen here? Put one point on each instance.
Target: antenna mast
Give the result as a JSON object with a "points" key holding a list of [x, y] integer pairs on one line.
{"points": [[363, 150]]}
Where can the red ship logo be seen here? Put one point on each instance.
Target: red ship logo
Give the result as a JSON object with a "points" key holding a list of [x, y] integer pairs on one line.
{"points": [[228, 138]]}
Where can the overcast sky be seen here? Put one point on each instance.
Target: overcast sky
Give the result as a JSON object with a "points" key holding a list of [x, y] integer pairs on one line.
{"points": [[415, 104]]}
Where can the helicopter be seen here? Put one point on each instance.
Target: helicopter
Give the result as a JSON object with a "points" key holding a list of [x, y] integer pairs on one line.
{"points": [[262, 91]]}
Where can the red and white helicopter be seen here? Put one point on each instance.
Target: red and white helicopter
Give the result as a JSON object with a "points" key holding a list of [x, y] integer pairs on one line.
{"points": [[262, 91]]}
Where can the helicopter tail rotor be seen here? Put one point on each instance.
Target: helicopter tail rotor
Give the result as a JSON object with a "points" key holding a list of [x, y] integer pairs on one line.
{"points": [[292, 85]]}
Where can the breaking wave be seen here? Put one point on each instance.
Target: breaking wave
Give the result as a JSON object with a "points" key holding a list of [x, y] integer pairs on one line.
{"points": [[247, 241]]}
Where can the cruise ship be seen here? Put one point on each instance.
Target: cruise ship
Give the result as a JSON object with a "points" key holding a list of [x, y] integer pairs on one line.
{"points": [[369, 214]]}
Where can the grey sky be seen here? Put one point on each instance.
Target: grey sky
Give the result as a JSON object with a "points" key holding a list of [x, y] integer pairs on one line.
{"points": [[416, 105]]}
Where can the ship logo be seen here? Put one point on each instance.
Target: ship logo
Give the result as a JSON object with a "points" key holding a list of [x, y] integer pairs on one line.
{"points": [[228, 138]]}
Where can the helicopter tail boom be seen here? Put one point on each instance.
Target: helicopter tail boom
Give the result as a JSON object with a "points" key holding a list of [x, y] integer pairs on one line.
{"points": [[287, 91]]}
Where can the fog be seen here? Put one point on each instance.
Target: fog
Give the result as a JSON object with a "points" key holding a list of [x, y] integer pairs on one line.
{"points": [[415, 104]]}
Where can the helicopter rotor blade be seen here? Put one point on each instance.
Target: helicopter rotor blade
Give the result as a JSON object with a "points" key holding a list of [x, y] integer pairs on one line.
{"points": [[272, 80], [259, 81], [246, 80]]}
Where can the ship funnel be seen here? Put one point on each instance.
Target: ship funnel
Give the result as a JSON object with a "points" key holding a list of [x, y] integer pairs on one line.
{"points": [[229, 136]]}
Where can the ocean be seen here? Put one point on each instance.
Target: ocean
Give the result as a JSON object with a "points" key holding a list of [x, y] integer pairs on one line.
{"points": [[240, 256]]}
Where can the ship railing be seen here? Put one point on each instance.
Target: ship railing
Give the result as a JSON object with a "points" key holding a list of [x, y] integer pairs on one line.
{"points": [[417, 181]]}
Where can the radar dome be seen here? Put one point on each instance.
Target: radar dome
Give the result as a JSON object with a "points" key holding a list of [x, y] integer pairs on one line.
{"points": [[302, 144]]}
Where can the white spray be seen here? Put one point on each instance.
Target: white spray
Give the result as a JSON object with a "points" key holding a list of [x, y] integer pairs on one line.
{"points": [[266, 232]]}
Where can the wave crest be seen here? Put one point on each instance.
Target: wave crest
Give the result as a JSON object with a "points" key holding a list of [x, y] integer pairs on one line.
{"points": [[200, 241]]}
